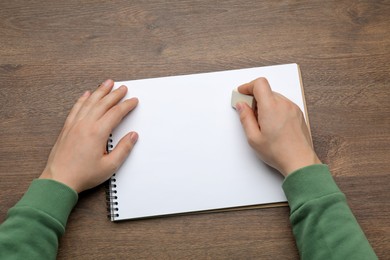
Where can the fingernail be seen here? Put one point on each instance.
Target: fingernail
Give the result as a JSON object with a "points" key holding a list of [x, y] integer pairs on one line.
{"points": [[86, 93], [107, 83], [133, 137], [122, 87], [239, 107]]}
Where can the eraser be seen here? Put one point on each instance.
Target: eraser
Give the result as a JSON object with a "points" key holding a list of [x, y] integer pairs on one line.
{"points": [[238, 97]]}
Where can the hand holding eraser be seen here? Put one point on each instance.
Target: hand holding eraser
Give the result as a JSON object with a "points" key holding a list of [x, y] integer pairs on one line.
{"points": [[238, 97]]}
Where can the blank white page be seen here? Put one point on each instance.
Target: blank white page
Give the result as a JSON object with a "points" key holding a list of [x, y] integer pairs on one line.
{"points": [[192, 154]]}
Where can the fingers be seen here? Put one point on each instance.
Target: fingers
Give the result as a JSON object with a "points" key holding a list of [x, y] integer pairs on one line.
{"points": [[104, 89], [117, 156], [100, 101], [259, 88], [249, 123], [113, 117], [76, 108], [108, 102]]}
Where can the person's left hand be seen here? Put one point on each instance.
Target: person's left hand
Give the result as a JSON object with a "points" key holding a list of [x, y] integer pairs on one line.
{"points": [[79, 158]]}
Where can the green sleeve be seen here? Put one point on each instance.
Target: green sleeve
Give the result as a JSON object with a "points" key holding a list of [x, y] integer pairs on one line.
{"points": [[323, 224], [33, 226]]}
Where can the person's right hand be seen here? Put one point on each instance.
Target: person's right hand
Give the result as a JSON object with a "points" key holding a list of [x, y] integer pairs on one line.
{"points": [[79, 158], [278, 133]]}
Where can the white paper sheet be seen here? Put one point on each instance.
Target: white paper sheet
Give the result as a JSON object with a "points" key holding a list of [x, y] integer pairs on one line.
{"points": [[192, 154]]}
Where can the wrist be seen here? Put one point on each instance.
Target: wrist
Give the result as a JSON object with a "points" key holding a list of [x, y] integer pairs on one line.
{"points": [[302, 162], [48, 175]]}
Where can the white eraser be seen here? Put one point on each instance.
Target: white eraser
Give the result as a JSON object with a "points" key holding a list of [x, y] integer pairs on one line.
{"points": [[238, 97]]}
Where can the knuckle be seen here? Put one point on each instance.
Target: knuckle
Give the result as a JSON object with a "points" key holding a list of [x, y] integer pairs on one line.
{"points": [[294, 108], [68, 122], [260, 81], [243, 116], [252, 140], [117, 109]]}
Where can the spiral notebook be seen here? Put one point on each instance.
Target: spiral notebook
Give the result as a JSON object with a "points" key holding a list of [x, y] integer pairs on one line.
{"points": [[192, 155]]}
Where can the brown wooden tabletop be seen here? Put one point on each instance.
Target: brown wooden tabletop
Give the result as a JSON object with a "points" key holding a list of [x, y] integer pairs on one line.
{"points": [[52, 51]]}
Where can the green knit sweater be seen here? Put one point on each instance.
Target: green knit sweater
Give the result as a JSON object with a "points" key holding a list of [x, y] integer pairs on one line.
{"points": [[323, 224]]}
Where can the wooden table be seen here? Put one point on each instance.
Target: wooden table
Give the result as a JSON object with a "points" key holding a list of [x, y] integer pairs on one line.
{"points": [[52, 51]]}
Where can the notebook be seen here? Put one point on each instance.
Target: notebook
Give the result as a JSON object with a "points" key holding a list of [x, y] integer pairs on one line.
{"points": [[192, 154]]}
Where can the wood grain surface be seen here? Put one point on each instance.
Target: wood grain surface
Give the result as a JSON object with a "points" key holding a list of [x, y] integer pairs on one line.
{"points": [[52, 51]]}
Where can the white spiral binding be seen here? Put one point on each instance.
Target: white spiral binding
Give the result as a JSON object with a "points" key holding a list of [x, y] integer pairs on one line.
{"points": [[112, 203]]}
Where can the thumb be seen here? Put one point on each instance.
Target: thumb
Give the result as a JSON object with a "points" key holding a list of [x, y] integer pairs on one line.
{"points": [[117, 156], [248, 122]]}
